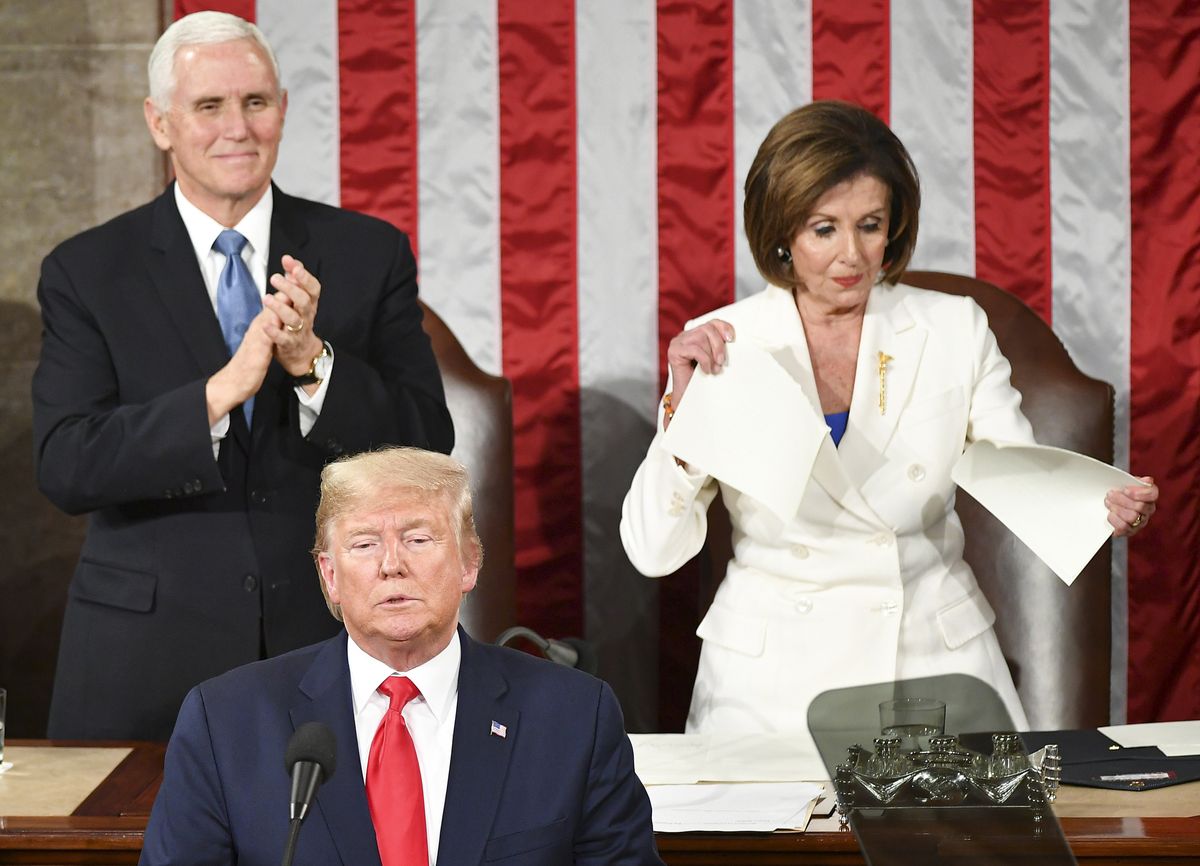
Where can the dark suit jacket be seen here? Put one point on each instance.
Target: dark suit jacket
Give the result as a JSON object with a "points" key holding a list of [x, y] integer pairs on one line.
{"points": [[192, 565], [558, 788]]}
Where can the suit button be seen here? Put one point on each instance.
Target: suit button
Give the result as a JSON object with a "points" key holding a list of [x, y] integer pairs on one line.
{"points": [[882, 539], [799, 551], [250, 583], [804, 605], [916, 472], [258, 497]]}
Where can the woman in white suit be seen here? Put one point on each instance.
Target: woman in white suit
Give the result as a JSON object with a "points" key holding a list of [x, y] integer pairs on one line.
{"points": [[866, 583]]}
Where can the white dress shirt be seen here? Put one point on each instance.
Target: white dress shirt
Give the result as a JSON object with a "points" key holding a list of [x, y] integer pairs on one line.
{"points": [[255, 227], [429, 717]]}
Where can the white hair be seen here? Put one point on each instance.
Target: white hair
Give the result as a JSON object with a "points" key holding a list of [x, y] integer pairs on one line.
{"points": [[199, 28]]}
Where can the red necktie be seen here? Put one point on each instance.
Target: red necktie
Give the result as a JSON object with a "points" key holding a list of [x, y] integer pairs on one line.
{"points": [[394, 791]]}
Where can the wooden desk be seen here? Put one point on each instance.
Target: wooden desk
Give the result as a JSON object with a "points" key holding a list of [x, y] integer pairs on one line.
{"points": [[1098, 841], [107, 829]]}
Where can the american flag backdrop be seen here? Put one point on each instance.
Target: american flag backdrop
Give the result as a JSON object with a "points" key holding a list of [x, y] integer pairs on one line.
{"points": [[570, 172]]}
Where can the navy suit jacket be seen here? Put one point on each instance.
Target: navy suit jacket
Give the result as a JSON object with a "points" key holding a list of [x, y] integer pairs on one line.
{"points": [[193, 566], [558, 788]]}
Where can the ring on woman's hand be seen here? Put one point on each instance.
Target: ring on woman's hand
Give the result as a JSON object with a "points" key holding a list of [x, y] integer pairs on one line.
{"points": [[1138, 521], [296, 328]]}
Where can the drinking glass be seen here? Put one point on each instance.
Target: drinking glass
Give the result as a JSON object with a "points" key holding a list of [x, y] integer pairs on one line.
{"points": [[913, 720]]}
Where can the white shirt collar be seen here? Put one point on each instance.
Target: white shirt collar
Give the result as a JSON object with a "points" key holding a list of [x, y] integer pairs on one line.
{"points": [[437, 678], [202, 229]]}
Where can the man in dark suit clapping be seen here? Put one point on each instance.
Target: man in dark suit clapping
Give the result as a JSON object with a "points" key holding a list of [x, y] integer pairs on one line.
{"points": [[203, 357]]}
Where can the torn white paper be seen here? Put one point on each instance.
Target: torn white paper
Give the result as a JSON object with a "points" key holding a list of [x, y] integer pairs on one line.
{"points": [[719, 429], [1052, 499]]}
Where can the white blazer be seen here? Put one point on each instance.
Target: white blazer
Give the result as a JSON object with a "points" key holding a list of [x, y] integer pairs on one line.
{"points": [[867, 583]]}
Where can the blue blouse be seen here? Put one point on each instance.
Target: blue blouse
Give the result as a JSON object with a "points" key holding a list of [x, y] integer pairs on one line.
{"points": [[837, 425]]}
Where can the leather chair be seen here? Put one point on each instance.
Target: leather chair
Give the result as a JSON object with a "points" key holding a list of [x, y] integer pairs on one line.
{"points": [[1056, 639], [481, 406]]}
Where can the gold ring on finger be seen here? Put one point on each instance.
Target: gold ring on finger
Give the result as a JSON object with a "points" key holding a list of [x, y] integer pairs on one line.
{"points": [[296, 328]]}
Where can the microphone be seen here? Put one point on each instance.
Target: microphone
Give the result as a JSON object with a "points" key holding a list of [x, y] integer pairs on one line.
{"points": [[311, 758], [570, 652]]}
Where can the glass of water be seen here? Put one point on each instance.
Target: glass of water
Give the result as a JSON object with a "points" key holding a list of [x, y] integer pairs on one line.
{"points": [[913, 720]]}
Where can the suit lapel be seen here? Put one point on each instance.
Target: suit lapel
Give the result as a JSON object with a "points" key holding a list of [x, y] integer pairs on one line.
{"points": [[889, 335], [479, 759], [342, 801], [783, 336], [176, 277], [175, 273]]}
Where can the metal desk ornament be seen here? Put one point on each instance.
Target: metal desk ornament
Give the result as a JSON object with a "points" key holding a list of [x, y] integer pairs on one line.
{"points": [[915, 795], [947, 774]]}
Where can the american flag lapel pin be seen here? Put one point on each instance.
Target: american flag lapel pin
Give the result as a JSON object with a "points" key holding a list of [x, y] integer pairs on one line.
{"points": [[499, 730]]}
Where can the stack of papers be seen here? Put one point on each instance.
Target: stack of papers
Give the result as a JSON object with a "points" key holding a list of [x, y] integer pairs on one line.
{"points": [[747, 783], [745, 807]]}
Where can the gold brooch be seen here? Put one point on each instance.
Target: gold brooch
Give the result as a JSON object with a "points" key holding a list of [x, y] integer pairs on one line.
{"points": [[884, 358]]}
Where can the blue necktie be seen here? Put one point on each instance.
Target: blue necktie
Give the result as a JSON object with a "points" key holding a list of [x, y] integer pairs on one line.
{"points": [[238, 301]]}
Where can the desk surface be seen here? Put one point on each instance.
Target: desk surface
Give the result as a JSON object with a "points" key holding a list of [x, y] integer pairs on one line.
{"points": [[107, 829]]}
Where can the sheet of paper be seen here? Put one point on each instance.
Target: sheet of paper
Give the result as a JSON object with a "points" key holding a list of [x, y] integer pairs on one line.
{"points": [[669, 759], [1173, 738], [719, 428], [675, 759], [763, 758], [745, 807], [1052, 499]]}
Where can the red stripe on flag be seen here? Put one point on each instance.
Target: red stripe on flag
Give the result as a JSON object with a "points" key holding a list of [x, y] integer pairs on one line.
{"points": [[851, 53], [241, 8], [696, 235], [539, 306], [1164, 436], [377, 65], [1012, 148]]}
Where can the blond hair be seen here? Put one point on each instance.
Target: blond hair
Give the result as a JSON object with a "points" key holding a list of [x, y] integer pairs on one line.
{"points": [[351, 483]]}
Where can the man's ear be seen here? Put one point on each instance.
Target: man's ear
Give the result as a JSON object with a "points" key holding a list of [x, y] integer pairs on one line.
{"points": [[156, 122], [328, 576], [469, 578]]}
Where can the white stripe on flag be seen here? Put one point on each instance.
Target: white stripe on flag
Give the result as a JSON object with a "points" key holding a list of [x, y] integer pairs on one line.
{"points": [[772, 74], [616, 109], [1089, 188], [304, 35], [458, 160], [932, 108]]}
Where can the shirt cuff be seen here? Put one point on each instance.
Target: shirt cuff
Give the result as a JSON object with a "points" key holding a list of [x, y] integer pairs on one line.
{"points": [[218, 432], [310, 405]]}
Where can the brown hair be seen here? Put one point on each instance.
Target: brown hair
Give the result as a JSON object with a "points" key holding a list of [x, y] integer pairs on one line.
{"points": [[807, 153], [353, 482]]}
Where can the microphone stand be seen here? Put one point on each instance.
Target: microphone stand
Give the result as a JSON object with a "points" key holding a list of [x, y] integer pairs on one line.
{"points": [[289, 850]]}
